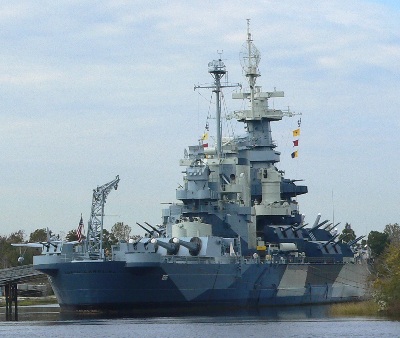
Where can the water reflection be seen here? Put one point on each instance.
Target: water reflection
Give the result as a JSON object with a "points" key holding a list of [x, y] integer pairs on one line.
{"points": [[52, 313]]}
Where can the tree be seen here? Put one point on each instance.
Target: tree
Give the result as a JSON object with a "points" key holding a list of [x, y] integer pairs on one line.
{"points": [[9, 254], [386, 285], [108, 240], [16, 237], [377, 242], [121, 231], [5, 250], [347, 234], [393, 232], [71, 236], [39, 235]]}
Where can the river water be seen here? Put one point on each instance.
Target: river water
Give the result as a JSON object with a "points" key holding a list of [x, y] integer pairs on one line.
{"points": [[306, 321]]}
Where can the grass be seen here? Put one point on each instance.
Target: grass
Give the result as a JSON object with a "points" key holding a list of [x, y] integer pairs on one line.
{"points": [[27, 301], [365, 308]]}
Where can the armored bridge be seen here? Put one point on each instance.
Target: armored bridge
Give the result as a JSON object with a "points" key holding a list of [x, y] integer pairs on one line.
{"points": [[9, 278]]}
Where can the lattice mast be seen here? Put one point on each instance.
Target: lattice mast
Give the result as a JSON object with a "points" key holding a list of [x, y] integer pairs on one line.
{"points": [[94, 242]]}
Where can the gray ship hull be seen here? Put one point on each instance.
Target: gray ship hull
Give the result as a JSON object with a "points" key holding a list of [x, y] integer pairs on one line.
{"points": [[111, 285]]}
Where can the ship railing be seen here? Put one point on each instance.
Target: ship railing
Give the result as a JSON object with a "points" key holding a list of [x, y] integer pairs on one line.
{"points": [[305, 260], [201, 260], [277, 259], [71, 257], [322, 260], [200, 208], [250, 260]]}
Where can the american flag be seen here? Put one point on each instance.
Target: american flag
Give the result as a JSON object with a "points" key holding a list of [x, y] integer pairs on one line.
{"points": [[79, 231]]}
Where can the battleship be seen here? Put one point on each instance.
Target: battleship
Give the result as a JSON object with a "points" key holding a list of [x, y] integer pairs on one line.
{"points": [[235, 237]]}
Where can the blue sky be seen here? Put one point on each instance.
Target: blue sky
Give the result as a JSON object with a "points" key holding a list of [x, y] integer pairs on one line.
{"points": [[91, 90]]}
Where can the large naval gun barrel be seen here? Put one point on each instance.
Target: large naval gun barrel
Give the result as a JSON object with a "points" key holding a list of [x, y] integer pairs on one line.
{"points": [[354, 241], [331, 240], [144, 228], [327, 226], [171, 247], [300, 227], [194, 245], [155, 232], [287, 228], [154, 229], [316, 221], [330, 226], [318, 225]]}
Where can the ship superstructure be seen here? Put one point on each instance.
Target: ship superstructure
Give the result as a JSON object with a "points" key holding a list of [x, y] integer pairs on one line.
{"points": [[236, 237], [236, 186]]}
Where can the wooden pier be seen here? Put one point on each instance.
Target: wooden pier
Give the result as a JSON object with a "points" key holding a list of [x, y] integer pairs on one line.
{"points": [[10, 278]]}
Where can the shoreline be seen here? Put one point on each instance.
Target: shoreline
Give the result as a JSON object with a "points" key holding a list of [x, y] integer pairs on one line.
{"points": [[28, 301], [367, 308]]}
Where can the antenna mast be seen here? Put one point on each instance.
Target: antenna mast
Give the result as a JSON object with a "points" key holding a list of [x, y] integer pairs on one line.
{"points": [[250, 59], [217, 69]]}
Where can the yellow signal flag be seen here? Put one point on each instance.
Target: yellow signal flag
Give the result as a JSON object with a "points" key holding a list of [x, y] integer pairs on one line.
{"points": [[295, 154], [205, 136], [296, 132]]}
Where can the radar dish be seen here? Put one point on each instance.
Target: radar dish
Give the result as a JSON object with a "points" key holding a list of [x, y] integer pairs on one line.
{"points": [[249, 58]]}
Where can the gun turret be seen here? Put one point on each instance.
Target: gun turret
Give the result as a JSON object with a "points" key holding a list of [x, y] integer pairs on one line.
{"points": [[194, 245], [331, 240], [327, 226], [171, 247], [286, 229]]}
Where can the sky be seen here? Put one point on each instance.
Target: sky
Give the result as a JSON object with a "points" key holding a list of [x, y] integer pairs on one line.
{"points": [[94, 89]]}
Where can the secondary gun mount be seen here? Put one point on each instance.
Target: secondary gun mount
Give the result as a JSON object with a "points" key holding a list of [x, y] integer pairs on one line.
{"points": [[194, 245], [173, 245]]}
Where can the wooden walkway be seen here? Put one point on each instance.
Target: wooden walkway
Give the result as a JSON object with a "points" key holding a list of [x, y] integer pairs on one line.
{"points": [[18, 274], [9, 278]]}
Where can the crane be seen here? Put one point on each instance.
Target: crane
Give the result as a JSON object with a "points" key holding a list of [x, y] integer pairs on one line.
{"points": [[94, 241]]}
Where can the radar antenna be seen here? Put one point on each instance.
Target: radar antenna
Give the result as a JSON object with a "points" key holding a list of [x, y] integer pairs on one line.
{"points": [[95, 225], [249, 59]]}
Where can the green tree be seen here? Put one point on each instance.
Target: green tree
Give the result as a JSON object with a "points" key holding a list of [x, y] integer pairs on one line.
{"points": [[108, 240], [387, 285], [9, 254], [347, 234], [393, 232], [121, 231], [71, 236], [377, 242], [5, 250], [39, 235], [16, 237]]}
